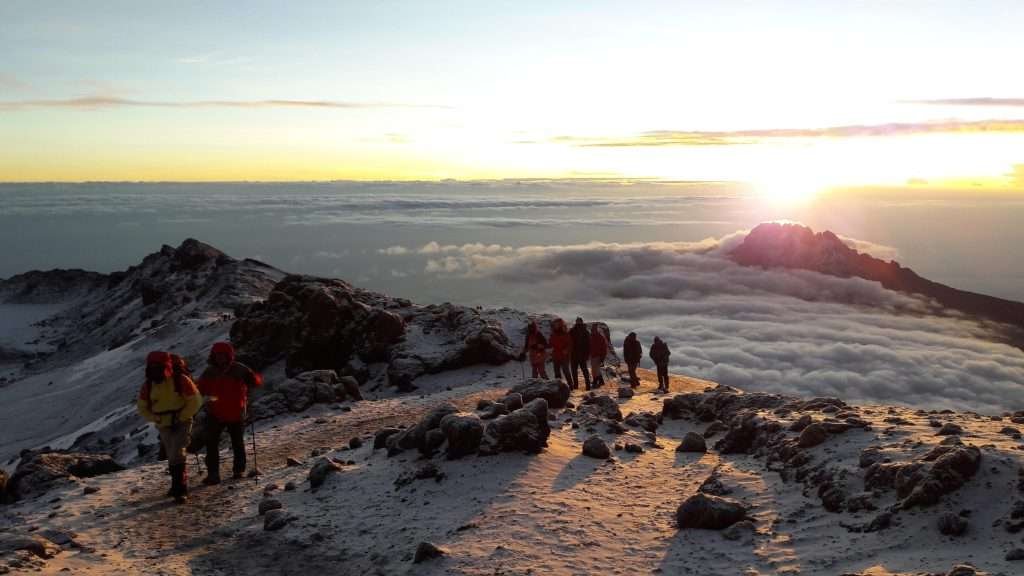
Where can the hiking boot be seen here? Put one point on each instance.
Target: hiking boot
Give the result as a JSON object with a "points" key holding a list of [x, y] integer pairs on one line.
{"points": [[238, 474], [211, 480], [181, 499]]}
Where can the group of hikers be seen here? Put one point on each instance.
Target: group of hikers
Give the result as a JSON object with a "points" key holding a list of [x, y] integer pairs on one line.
{"points": [[582, 349], [170, 400]]}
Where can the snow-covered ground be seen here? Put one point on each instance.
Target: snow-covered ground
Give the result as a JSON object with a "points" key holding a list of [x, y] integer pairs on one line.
{"points": [[557, 512]]}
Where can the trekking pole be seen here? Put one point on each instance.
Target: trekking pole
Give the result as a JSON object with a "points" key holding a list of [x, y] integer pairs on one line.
{"points": [[255, 461]]}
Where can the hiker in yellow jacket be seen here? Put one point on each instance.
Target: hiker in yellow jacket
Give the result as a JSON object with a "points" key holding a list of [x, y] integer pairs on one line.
{"points": [[169, 400]]}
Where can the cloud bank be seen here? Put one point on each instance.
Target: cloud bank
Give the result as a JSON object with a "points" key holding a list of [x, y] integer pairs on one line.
{"points": [[98, 102], [794, 332], [737, 137]]}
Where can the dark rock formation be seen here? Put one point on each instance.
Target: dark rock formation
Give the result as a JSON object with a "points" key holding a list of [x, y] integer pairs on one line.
{"points": [[692, 442], [555, 392], [595, 447], [318, 323], [709, 512], [40, 471]]}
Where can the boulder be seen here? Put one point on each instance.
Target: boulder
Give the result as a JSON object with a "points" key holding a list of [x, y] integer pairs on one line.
{"points": [[555, 392], [692, 442], [595, 447], [871, 455], [947, 473], [606, 406], [950, 429], [625, 392], [381, 437], [741, 531], [321, 469], [493, 410], [463, 433], [512, 401], [951, 524], [715, 428], [38, 472], [268, 504], [415, 437], [709, 512], [800, 423], [812, 435], [427, 551], [275, 520], [518, 431], [32, 543], [642, 420]]}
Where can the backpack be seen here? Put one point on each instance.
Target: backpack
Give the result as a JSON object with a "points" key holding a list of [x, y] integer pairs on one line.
{"points": [[179, 371]]}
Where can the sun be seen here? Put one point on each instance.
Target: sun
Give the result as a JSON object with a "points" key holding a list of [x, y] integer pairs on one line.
{"points": [[788, 189]]}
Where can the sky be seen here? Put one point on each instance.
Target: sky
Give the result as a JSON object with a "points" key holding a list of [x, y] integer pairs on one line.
{"points": [[790, 96]]}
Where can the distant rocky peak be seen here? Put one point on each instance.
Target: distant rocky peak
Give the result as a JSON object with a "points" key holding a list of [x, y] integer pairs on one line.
{"points": [[778, 245]]}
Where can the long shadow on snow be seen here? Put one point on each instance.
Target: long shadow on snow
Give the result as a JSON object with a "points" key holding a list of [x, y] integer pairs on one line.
{"points": [[359, 523]]}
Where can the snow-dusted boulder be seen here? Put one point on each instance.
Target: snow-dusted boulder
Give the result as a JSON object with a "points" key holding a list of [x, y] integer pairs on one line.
{"points": [[555, 392], [39, 472]]}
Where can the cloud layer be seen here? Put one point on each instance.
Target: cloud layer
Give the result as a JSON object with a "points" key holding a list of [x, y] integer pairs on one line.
{"points": [[97, 102], [793, 332], [736, 137]]}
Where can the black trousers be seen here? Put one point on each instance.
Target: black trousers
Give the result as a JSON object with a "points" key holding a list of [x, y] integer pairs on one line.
{"points": [[577, 364], [663, 376], [236, 430]]}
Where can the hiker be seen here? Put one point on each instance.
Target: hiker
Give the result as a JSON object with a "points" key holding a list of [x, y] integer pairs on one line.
{"points": [[580, 353], [660, 353], [561, 344], [598, 351], [536, 348], [226, 384], [169, 401], [632, 352]]}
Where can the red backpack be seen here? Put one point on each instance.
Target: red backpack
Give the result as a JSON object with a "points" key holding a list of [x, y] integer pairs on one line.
{"points": [[179, 371]]}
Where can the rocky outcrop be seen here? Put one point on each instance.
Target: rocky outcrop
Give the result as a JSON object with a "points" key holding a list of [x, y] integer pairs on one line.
{"points": [[40, 471], [317, 323], [775, 245], [923, 482], [304, 390]]}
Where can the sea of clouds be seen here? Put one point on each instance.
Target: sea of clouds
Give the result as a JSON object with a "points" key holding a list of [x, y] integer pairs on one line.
{"points": [[787, 331], [643, 256]]}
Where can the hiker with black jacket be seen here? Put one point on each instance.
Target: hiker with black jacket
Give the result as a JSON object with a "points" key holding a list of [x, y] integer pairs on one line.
{"points": [[632, 353], [660, 354], [580, 354]]}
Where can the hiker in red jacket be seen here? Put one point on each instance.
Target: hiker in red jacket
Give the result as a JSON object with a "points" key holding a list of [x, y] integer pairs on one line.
{"points": [[598, 351], [561, 346], [225, 384], [536, 348]]}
